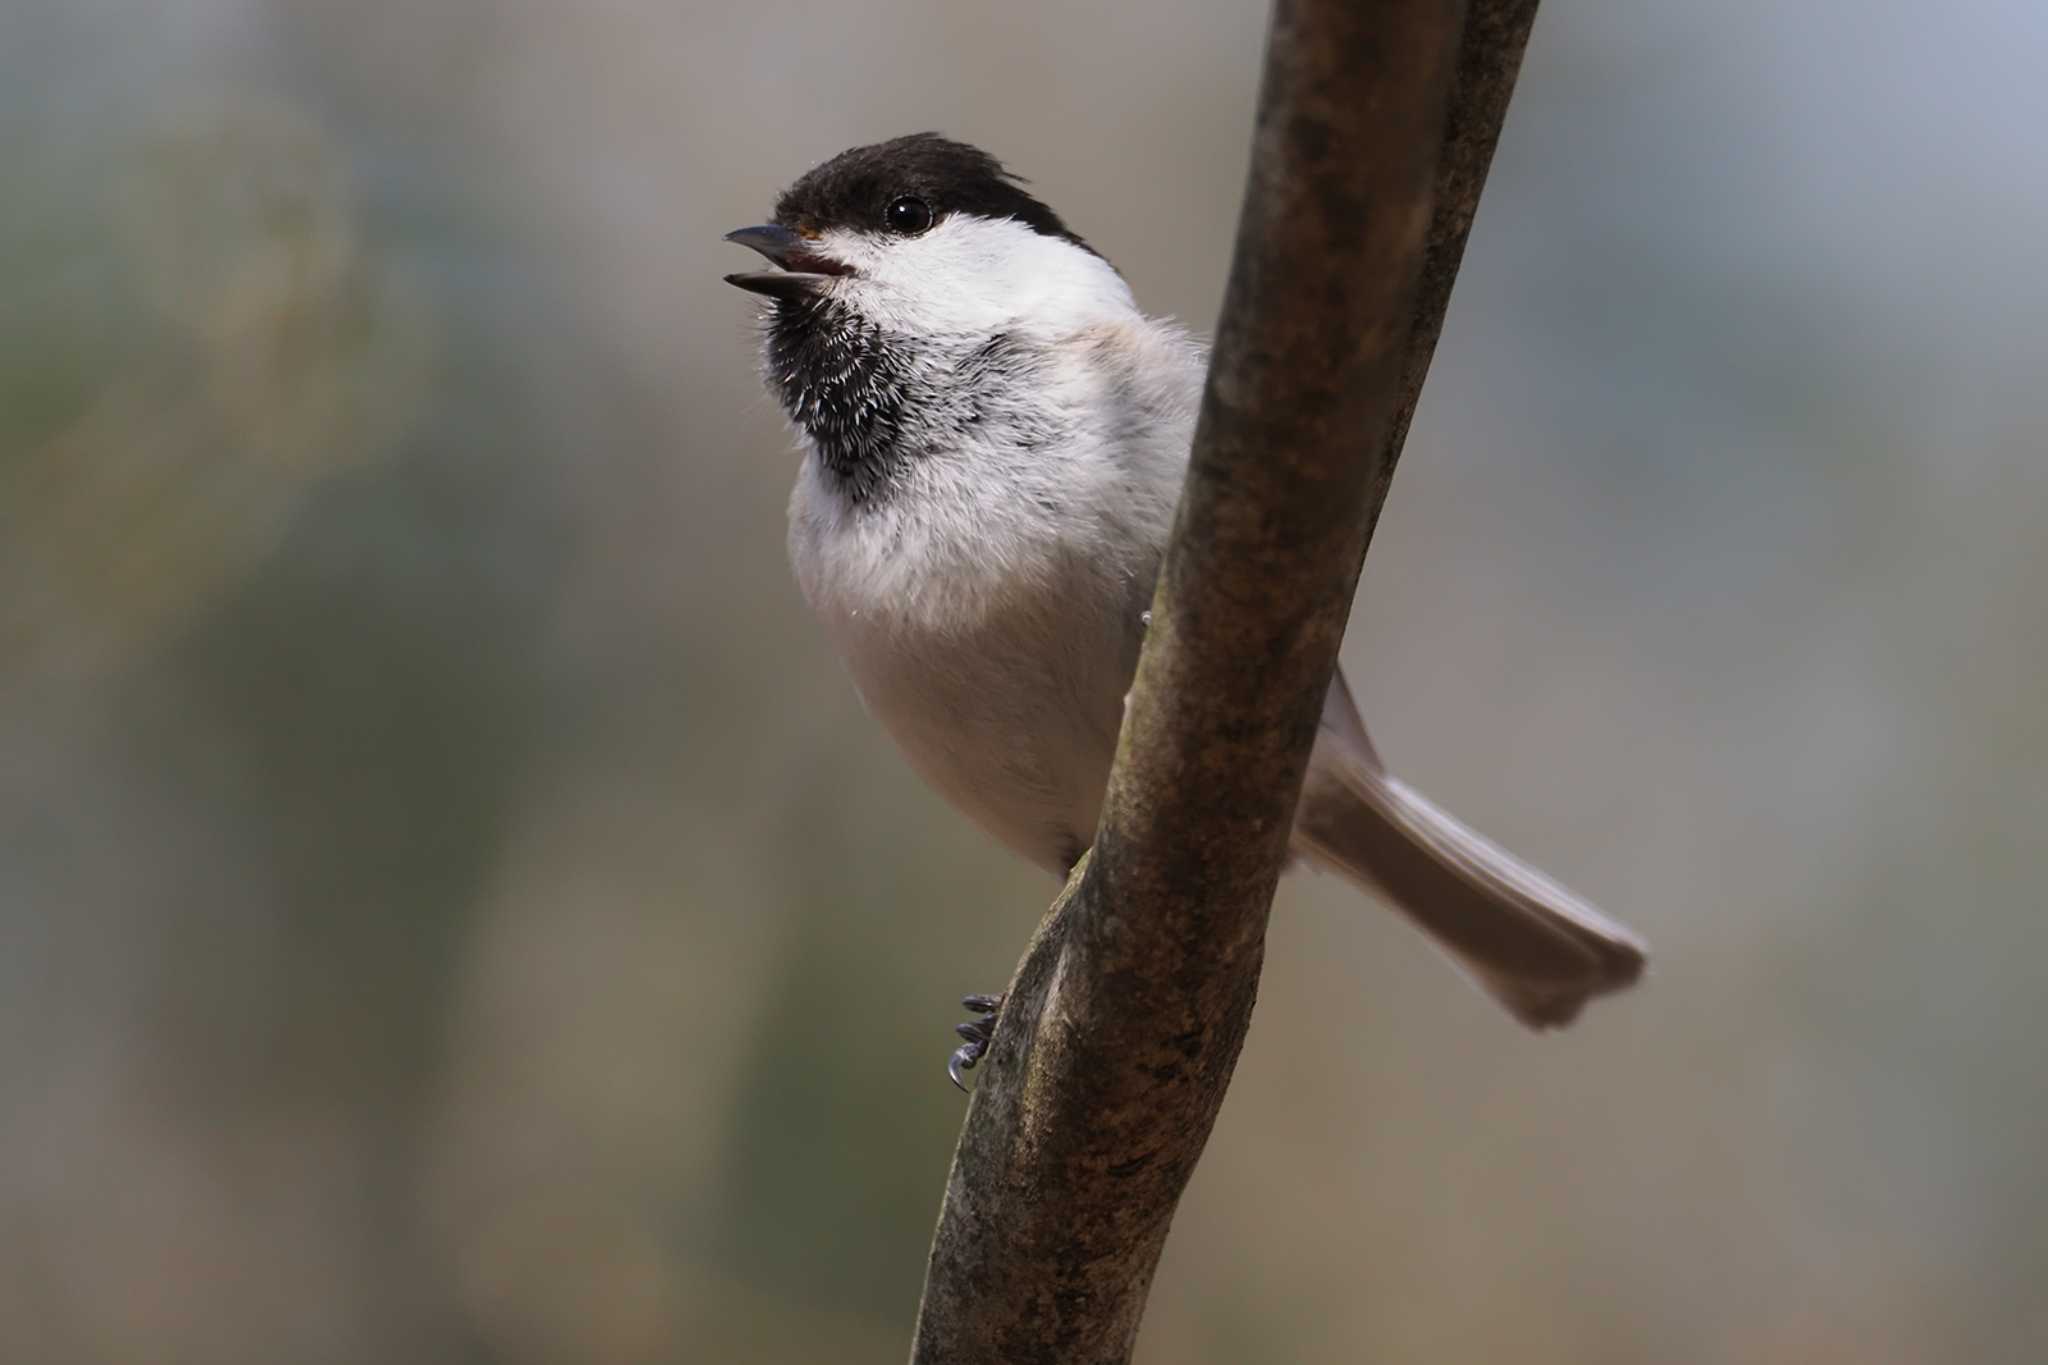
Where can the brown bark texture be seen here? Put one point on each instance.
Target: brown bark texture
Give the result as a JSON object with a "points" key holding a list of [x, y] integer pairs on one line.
{"points": [[1376, 123]]}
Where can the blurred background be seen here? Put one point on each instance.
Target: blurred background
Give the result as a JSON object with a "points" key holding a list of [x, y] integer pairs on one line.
{"points": [[452, 907]]}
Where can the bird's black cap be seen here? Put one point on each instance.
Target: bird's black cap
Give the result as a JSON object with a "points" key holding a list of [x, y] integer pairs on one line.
{"points": [[855, 188]]}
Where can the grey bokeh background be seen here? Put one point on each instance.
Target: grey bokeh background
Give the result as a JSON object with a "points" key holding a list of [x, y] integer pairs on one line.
{"points": [[453, 909]]}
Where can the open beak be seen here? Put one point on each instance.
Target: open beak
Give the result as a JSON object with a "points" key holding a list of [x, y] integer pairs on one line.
{"points": [[802, 271]]}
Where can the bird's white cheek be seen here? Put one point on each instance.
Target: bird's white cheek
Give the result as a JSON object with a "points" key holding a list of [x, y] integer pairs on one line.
{"points": [[933, 294], [950, 312], [967, 276]]}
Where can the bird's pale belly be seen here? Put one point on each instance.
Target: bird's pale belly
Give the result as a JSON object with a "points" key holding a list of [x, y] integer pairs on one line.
{"points": [[1015, 731]]}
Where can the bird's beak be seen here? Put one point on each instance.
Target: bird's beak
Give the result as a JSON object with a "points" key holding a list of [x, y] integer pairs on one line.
{"points": [[803, 271]]}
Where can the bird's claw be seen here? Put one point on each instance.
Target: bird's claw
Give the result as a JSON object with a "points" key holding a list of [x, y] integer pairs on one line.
{"points": [[1144, 627], [978, 1031]]}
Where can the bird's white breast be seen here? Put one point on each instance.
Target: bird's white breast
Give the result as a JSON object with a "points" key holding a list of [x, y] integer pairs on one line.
{"points": [[989, 606]]}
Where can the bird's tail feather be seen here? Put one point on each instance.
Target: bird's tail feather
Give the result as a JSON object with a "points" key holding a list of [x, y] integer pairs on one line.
{"points": [[1532, 945]]}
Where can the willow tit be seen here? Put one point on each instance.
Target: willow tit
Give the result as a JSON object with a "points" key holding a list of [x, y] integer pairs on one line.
{"points": [[994, 441]]}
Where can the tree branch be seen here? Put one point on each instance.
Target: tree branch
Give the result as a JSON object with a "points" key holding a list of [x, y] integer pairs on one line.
{"points": [[1376, 124]]}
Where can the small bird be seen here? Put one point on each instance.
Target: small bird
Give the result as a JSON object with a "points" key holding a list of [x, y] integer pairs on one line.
{"points": [[995, 438]]}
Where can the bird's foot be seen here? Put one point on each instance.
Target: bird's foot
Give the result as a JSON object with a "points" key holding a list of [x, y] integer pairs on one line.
{"points": [[1144, 628], [977, 1031]]}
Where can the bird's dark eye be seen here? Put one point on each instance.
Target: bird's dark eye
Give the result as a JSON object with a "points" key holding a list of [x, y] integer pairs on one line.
{"points": [[908, 215]]}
